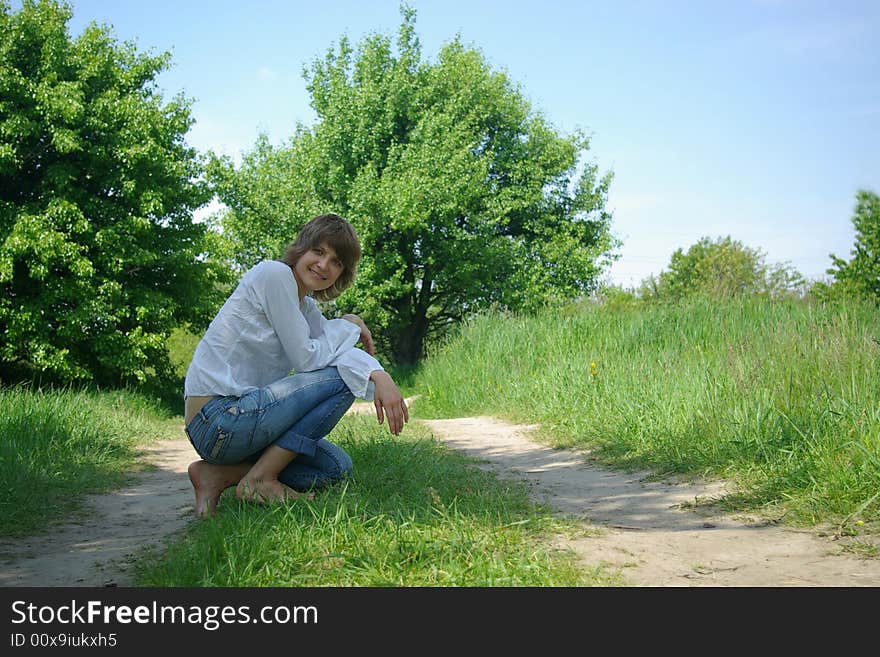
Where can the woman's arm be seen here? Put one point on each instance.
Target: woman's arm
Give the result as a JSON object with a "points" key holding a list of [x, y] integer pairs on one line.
{"points": [[307, 351], [389, 402], [358, 368], [355, 365], [366, 337]]}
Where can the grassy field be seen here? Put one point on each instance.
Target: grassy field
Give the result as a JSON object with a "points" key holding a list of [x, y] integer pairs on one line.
{"points": [[414, 514], [781, 397], [57, 446]]}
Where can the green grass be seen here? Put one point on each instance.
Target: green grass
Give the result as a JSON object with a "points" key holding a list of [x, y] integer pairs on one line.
{"points": [[414, 514], [57, 446], [782, 397]]}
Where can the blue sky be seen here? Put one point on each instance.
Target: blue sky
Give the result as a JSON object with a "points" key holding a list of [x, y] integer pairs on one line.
{"points": [[758, 119]]}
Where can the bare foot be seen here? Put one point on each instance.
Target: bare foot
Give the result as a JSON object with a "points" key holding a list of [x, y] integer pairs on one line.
{"points": [[210, 480], [265, 491]]}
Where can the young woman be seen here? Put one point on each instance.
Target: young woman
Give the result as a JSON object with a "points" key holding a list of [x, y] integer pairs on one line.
{"points": [[256, 426]]}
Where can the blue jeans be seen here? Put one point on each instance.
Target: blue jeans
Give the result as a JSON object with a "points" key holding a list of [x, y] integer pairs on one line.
{"points": [[295, 413]]}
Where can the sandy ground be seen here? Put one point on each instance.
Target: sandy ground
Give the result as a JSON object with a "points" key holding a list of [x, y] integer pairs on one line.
{"points": [[96, 549], [645, 532]]}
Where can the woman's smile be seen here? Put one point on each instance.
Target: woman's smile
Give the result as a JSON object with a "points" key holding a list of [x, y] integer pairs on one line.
{"points": [[317, 269]]}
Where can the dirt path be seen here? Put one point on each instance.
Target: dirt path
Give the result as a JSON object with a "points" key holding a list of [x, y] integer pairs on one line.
{"points": [[96, 549], [646, 533]]}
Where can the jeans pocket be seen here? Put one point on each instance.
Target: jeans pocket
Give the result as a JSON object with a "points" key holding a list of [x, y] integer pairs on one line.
{"points": [[250, 403], [206, 438], [211, 444], [220, 443]]}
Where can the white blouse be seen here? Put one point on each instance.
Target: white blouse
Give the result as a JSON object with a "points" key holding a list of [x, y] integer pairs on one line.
{"points": [[263, 332]]}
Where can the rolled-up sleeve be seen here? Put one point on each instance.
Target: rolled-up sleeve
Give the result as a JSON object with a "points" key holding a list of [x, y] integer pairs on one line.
{"points": [[355, 365]]}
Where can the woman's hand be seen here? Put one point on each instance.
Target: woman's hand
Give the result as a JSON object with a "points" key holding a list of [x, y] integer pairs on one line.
{"points": [[389, 402], [366, 336]]}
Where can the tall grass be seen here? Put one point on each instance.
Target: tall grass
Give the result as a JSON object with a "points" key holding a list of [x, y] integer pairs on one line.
{"points": [[781, 396], [59, 445], [414, 514]]}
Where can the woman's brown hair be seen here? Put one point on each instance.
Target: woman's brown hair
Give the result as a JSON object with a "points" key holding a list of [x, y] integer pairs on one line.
{"points": [[340, 236]]}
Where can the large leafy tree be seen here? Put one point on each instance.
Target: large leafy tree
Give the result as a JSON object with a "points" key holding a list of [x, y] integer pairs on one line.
{"points": [[99, 257], [464, 197], [860, 275], [721, 268]]}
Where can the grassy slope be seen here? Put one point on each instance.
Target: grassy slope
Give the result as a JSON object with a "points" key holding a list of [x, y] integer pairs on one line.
{"points": [[782, 396]]}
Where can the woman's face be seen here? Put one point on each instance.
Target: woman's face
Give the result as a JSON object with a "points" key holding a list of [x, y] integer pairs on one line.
{"points": [[317, 269]]}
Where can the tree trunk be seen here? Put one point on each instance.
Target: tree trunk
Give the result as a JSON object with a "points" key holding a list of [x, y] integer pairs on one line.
{"points": [[410, 347], [409, 344]]}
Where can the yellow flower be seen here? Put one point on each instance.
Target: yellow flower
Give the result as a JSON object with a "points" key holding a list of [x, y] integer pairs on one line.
{"points": [[594, 369]]}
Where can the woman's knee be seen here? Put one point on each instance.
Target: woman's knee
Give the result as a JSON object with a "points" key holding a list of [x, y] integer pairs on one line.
{"points": [[337, 463], [306, 390], [328, 466], [345, 465]]}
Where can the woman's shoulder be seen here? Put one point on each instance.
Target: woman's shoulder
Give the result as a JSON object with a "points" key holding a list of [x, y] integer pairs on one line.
{"points": [[267, 270], [271, 278], [270, 267]]}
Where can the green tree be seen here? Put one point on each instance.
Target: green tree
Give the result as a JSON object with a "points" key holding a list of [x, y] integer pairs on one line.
{"points": [[721, 267], [99, 257], [464, 197], [859, 276]]}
